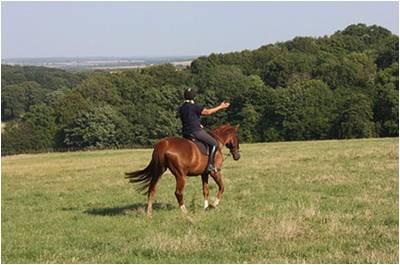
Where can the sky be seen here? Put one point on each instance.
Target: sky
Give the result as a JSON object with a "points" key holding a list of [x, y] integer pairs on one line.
{"points": [[129, 29]]}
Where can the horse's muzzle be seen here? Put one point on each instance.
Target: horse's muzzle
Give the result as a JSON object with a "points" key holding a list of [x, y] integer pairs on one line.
{"points": [[236, 156]]}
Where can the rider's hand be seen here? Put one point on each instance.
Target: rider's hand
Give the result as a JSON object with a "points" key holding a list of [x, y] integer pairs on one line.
{"points": [[224, 105]]}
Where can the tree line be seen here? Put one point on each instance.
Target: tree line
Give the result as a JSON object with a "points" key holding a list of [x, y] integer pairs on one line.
{"points": [[332, 87]]}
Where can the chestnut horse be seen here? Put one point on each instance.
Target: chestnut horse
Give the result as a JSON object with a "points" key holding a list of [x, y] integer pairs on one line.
{"points": [[183, 158]]}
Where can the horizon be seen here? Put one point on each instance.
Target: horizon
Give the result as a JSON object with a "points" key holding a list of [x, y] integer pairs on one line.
{"points": [[44, 30], [104, 57]]}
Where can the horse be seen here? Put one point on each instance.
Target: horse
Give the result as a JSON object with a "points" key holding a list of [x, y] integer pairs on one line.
{"points": [[183, 158]]}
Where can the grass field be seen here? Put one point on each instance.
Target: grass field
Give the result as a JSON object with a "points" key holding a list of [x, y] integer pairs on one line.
{"points": [[313, 202]]}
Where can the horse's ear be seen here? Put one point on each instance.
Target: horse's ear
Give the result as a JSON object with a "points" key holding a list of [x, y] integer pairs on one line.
{"points": [[237, 127]]}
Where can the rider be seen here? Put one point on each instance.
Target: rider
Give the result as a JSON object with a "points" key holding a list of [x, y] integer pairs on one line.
{"points": [[190, 115]]}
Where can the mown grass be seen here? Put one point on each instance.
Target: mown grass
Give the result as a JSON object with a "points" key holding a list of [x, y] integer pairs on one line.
{"points": [[314, 202]]}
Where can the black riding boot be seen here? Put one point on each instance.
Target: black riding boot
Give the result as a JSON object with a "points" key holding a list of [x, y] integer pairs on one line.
{"points": [[211, 156]]}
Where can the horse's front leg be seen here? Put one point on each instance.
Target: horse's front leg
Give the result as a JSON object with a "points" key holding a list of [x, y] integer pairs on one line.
{"points": [[218, 179], [180, 185], [204, 180]]}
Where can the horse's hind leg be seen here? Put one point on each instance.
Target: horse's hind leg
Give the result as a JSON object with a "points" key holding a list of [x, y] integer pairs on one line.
{"points": [[204, 180], [150, 196]]}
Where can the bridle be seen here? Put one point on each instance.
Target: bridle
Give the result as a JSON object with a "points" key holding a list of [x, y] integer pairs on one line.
{"points": [[232, 150]]}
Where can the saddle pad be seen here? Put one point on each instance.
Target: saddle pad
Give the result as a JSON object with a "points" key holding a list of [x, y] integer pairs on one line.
{"points": [[203, 148]]}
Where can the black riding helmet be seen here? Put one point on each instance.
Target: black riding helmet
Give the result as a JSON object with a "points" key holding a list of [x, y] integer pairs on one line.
{"points": [[189, 93]]}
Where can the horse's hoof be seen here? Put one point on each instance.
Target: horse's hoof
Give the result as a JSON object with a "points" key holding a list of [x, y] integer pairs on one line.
{"points": [[184, 210]]}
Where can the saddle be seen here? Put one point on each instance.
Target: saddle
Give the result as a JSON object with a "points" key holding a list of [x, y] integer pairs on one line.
{"points": [[203, 148]]}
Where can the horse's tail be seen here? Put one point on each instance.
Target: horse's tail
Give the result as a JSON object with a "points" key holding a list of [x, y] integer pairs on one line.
{"points": [[150, 174]]}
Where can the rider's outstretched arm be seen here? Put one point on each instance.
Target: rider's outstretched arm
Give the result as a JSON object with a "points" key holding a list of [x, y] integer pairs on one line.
{"points": [[221, 106]]}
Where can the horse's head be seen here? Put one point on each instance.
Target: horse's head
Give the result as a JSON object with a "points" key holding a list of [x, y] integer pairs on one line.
{"points": [[227, 135], [232, 142]]}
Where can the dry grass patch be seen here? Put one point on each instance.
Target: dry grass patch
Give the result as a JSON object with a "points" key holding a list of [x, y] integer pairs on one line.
{"points": [[191, 241]]}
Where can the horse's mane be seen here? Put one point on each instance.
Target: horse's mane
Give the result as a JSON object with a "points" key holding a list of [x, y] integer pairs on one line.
{"points": [[222, 131]]}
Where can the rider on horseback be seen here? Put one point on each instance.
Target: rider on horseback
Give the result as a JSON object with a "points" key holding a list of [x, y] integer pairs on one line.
{"points": [[190, 113]]}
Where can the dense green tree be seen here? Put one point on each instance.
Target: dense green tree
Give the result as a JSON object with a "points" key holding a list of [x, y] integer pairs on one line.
{"points": [[11, 75], [99, 126], [17, 138], [355, 119], [328, 69], [99, 88], [19, 98], [167, 74], [276, 72], [227, 81], [68, 105], [303, 111], [36, 131], [13, 102], [48, 78], [386, 110], [389, 75], [352, 70], [249, 119], [302, 44], [42, 120], [388, 52]]}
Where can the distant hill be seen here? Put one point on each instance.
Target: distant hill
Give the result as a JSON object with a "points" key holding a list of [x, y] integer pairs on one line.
{"points": [[98, 63]]}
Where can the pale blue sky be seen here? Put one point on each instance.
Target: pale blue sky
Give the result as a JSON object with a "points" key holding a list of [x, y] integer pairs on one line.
{"points": [[68, 29]]}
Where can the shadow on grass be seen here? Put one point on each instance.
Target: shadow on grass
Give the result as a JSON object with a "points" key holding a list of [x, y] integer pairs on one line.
{"points": [[133, 208]]}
